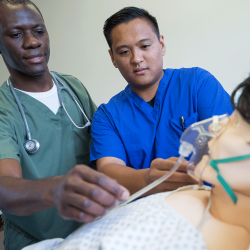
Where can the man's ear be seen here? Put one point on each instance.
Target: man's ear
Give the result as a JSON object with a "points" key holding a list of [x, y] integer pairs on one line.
{"points": [[112, 58], [163, 46]]}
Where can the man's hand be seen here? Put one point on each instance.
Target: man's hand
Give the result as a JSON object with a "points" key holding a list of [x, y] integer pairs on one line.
{"points": [[83, 194], [180, 178]]}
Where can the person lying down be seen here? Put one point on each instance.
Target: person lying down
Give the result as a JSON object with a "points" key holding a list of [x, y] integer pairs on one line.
{"points": [[188, 218]]}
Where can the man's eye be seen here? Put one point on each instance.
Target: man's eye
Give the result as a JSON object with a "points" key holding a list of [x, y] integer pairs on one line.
{"points": [[146, 46], [124, 52], [16, 35], [39, 32]]}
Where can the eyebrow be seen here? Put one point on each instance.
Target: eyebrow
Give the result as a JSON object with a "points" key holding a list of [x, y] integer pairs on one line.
{"points": [[125, 46], [20, 27]]}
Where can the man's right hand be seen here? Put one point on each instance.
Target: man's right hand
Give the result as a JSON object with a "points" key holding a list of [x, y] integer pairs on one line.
{"points": [[83, 194], [160, 167]]}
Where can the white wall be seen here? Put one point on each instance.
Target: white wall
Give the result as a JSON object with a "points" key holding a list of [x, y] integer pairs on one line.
{"points": [[212, 34]]}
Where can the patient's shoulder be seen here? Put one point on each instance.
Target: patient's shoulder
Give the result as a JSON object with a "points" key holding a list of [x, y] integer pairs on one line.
{"points": [[191, 204]]}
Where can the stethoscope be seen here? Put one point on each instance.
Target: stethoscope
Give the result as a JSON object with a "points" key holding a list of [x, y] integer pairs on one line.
{"points": [[32, 145]]}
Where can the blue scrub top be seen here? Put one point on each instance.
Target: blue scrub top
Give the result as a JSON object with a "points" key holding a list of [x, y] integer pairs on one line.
{"points": [[130, 129]]}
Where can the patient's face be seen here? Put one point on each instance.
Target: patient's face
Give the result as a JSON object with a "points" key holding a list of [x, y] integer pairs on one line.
{"points": [[234, 141]]}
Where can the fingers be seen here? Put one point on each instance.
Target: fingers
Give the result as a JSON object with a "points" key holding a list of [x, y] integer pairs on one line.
{"points": [[181, 177], [84, 194], [175, 181], [183, 167], [175, 177], [168, 164], [87, 205], [81, 208], [72, 213], [101, 180], [94, 192], [113, 187]]}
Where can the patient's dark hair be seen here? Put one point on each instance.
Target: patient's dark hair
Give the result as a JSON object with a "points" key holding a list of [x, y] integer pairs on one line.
{"points": [[243, 104], [21, 2], [126, 15]]}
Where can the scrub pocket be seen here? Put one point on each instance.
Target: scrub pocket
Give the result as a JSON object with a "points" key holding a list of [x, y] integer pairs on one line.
{"points": [[14, 237], [175, 124], [192, 119]]}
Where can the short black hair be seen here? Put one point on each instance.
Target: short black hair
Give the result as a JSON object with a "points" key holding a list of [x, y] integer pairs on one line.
{"points": [[21, 2], [126, 15], [243, 103]]}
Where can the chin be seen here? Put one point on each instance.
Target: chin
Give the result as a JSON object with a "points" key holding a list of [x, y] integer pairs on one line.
{"points": [[35, 71], [141, 84]]}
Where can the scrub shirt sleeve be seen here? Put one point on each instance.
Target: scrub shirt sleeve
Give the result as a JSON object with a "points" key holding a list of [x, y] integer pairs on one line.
{"points": [[8, 141], [212, 99], [105, 138]]}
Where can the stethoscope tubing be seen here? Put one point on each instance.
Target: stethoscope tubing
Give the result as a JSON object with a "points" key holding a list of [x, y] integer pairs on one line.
{"points": [[20, 108], [59, 90]]}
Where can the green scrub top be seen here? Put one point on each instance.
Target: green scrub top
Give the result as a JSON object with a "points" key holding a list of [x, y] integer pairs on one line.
{"points": [[62, 146]]}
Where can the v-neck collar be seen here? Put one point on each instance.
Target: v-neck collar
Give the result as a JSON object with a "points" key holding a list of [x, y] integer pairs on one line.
{"points": [[157, 104], [26, 99], [39, 106]]}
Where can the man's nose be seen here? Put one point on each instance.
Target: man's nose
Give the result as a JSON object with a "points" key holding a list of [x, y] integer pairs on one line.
{"points": [[31, 41], [137, 56]]}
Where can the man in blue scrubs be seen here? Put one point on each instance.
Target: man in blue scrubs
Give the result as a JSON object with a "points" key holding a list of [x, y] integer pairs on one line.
{"points": [[145, 120]]}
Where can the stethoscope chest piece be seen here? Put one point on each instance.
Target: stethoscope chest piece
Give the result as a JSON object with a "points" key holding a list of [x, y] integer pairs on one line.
{"points": [[31, 146]]}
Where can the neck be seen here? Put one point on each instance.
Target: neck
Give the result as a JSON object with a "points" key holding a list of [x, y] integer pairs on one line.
{"points": [[37, 83], [223, 208], [147, 93]]}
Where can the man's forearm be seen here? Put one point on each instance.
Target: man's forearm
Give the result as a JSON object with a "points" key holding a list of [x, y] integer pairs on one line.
{"points": [[132, 179], [26, 197]]}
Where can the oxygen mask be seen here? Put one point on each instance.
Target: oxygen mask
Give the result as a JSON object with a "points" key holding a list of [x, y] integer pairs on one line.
{"points": [[195, 141]]}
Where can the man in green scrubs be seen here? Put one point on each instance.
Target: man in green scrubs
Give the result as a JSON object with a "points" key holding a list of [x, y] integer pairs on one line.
{"points": [[49, 193]]}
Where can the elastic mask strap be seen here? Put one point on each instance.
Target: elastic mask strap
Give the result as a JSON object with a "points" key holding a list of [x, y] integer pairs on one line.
{"points": [[228, 189]]}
